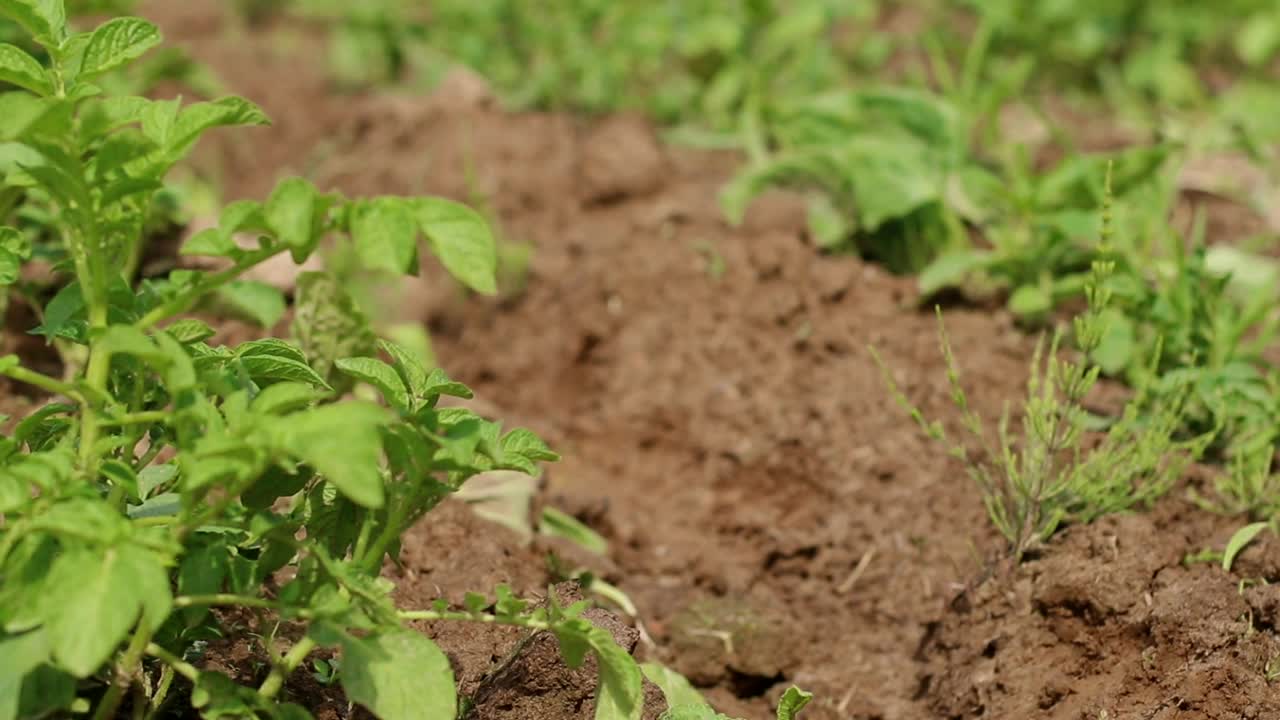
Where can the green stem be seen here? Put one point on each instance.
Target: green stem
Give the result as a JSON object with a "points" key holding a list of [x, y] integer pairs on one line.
{"points": [[485, 618], [271, 686], [157, 701], [96, 379], [207, 285], [229, 599], [44, 382], [372, 559], [183, 668], [149, 417], [124, 672]]}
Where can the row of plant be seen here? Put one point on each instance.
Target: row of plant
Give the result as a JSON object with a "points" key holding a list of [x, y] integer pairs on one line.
{"points": [[921, 176], [170, 479]]}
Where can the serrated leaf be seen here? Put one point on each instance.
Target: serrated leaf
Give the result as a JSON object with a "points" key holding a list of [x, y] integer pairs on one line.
{"points": [[291, 214], [411, 371], [327, 323], [1239, 540], [45, 19], [352, 466], [793, 701], [380, 375], [116, 42], [677, 689], [274, 347], [197, 118], [462, 240], [398, 675], [19, 68], [256, 301], [279, 369], [620, 695], [438, 383], [385, 233], [190, 330]]}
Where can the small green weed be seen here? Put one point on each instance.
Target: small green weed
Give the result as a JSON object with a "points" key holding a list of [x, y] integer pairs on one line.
{"points": [[1033, 483]]}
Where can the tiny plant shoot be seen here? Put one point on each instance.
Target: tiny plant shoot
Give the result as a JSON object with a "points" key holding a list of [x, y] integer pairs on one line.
{"points": [[170, 479], [1032, 484]]}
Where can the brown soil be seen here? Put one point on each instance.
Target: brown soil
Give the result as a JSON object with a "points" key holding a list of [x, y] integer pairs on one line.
{"points": [[773, 515]]}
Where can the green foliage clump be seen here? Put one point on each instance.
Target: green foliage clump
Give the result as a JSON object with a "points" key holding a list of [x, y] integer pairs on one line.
{"points": [[171, 475], [1033, 483]]}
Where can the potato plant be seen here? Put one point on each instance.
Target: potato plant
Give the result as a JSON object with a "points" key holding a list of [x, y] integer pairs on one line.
{"points": [[171, 479]]}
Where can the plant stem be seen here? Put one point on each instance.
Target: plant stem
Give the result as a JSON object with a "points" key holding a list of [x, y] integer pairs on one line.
{"points": [[44, 382], [122, 678], [180, 666], [204, 287], [148, 417], [485, 618], [228, 599], [271, 686], [157, 701]]}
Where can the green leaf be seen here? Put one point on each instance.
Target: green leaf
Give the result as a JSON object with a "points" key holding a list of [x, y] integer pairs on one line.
{"points": [[190, 331], [116, 42], [272, 368], [438, 383], [560, 524], [197, 118], [262, 303], [128, 340], [291, 214], [950, 270], [692, 712], [202, 572], [350, 465], [411, 372], [621, 692], [1116, 350], [380, 375], [398, 675], [22, 654], [284, 397], [19, 68], [327, 323], [1239, 540], [461, 238], [793, 701], [675, 687], [122, 475], [10, 267], [61, 312], [1030, 301], [84, 631], [45, 19], [386, 235]]}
